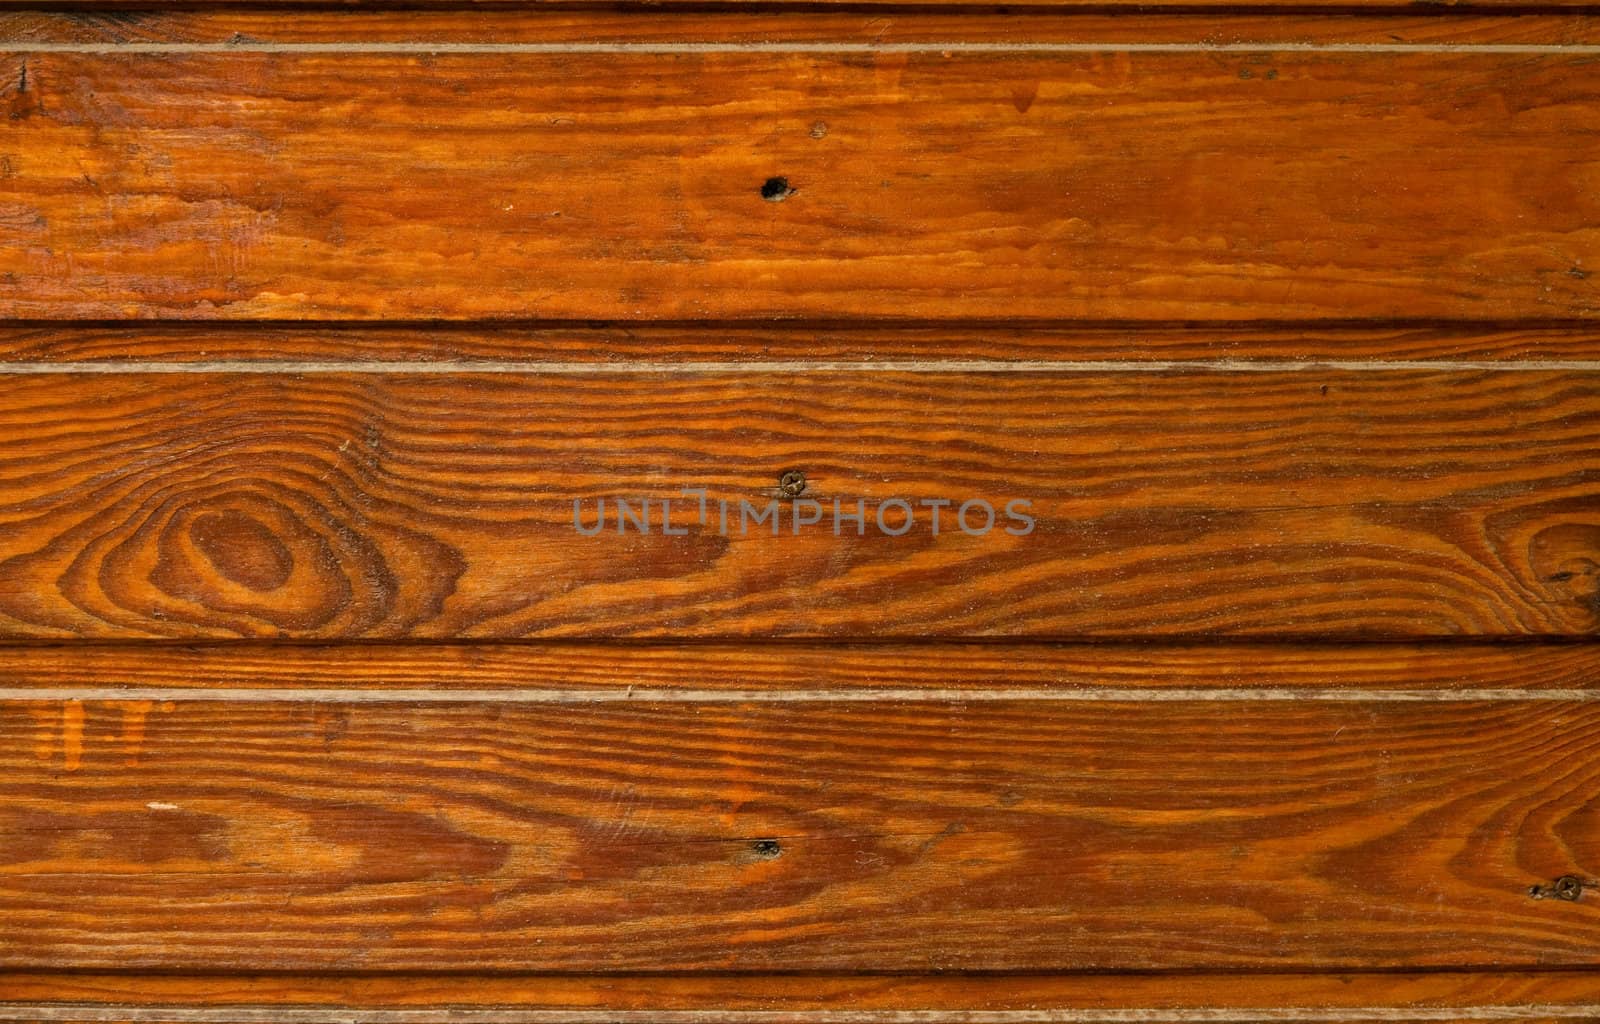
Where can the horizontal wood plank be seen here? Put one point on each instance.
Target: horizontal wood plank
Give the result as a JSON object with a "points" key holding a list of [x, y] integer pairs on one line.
{"points": [[718, 671], [1269, 25], [888, 836], [67, 1013], [1525, 996], [929, 182], [70, 1013], [462, 347], [326, 505], [146, 8]]}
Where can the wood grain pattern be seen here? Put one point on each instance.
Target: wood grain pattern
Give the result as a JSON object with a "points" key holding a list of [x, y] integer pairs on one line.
{"points": [[847, 671], [931, 185], [71, 1013], [892, 836], [1270, 25], [128, 346], [442, 506], [114, 8], [1424, 992], [1281, 319], [79, 1014]]}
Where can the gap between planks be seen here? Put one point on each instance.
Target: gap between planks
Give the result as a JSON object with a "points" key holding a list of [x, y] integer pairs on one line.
{"points": [[281, 1015]]}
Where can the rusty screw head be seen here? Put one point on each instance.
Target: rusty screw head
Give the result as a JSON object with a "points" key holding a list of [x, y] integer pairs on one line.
{"points": [[792, 483], [1567, 887]]}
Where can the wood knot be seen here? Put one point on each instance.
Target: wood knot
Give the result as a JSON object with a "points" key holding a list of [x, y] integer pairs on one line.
{"points": [[1567, 556], [242, 549]]}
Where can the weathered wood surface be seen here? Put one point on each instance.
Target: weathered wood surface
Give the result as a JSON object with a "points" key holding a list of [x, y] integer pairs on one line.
{"points": [[929, 183], [890, 836], [1419, 503]]}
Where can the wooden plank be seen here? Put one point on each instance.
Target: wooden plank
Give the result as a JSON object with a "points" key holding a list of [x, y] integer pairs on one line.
{"points": [[459, 347], [78, 1014], [88, 8], [1271, 25], [326, 505], [1415, 996], [83, 1014], [891, 836], [1104, 183], [358, 1015], [1460, 670]]}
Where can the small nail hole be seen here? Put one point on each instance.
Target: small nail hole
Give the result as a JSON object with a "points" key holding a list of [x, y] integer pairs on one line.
{"points": [[776, 190], [767, 849]]}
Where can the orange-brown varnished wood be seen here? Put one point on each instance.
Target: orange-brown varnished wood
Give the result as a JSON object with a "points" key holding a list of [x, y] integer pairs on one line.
{"points": [[111, 9], [335, 506], [887, 836], [878, 24], [457, 347], [947, 994], [1308, 671], [1279, 322], [90, 1014], [929, 183]]}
